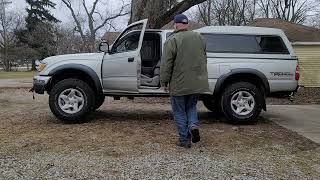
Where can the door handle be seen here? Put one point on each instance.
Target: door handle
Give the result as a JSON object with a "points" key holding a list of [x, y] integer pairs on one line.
{"points": [[130, 59]]}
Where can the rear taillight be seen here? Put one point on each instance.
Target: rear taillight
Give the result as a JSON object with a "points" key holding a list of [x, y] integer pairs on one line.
{"points": [[297, 73]]}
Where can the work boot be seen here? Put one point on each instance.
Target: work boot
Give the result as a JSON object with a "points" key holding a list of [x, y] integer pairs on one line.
{"points": [[195, 134]]}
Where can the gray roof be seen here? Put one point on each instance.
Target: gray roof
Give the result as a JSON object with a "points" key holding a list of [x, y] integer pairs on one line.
{"points": [[295, 32]]}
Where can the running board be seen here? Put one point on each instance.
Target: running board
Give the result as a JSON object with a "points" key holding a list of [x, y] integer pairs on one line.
{"points": [[136, 94]]}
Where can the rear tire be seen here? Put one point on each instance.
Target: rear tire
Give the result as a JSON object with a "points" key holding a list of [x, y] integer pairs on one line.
{"points": [[71, 100], [241, 102]]}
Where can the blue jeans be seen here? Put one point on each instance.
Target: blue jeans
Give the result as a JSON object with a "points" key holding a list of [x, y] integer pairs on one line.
{"points": [[185, 114]]}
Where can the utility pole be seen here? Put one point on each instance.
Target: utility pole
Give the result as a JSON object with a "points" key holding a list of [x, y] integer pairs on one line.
{"points": [[3, 4]]}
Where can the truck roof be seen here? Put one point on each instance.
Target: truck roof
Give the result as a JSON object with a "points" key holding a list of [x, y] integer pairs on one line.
{"points": [[243, 30], [235, 30], [240, 30]]}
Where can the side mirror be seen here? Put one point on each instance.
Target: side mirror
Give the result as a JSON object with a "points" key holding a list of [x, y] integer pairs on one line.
{"points": [[104, 47]]}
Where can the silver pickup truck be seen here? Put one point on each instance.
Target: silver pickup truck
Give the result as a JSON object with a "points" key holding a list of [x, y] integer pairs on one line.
{"points": [[245, 65]]}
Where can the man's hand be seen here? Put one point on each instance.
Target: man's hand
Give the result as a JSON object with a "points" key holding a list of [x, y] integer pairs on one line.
{"points": [[165, 87]]}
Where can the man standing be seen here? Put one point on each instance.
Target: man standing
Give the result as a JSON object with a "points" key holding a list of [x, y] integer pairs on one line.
{"points": [[184, 74]]}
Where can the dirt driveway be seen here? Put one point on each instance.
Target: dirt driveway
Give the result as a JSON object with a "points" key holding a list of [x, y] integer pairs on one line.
{"points": [[16, 83], [135, 139]]}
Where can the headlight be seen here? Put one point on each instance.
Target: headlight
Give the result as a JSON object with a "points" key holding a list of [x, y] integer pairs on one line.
{"points": [[40, 65]]}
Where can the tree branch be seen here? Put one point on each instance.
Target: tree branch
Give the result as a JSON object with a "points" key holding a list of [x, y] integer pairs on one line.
{"points": [[85, 7], [79, 29], [94, 7], [203, 16], [177, 9], [90, 17], [121, 13]]}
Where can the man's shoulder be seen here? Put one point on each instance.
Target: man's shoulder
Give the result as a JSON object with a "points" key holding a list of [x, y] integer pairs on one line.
{"points": [[189, 34], [181, 35], [193, 33]]}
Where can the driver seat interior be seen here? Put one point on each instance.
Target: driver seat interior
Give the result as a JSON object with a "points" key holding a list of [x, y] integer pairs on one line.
{"points": [[150, 61], [152, 81]]}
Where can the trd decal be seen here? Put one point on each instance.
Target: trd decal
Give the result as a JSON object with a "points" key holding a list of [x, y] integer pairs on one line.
{"points": [[278, 74]]}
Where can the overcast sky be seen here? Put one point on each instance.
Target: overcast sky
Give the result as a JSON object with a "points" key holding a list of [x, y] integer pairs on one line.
{"points": [[64, 15]]}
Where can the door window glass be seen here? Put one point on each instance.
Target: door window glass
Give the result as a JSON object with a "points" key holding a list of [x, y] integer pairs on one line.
{"points": [[129, 40], [130, 43]]}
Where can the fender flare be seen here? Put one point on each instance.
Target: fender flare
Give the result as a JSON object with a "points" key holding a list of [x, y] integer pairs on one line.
{"points": [[224, 77], [89, 71]]}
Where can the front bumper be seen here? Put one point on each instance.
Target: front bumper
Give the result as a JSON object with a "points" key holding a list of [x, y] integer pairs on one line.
{"points": [[40, 83]]}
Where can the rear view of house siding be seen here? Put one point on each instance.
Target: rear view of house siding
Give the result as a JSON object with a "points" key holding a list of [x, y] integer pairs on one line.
{"points": [[309, 58]]}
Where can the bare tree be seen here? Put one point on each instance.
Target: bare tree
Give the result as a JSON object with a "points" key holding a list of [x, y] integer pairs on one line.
{"points": [[227, 12], [95, 20], [290, 10], [204, 13], [159, 13], [241, 12], [9, 22], [314, 20], [265, 7], [68, 41]]}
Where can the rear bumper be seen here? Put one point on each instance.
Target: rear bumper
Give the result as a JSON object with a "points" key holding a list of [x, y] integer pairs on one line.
{"points": [[299, 88], [40, 83], [287, 94]]}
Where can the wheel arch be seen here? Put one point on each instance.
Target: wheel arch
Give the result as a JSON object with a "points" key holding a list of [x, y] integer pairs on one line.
{"points": [[247, 75], [78, 71]]}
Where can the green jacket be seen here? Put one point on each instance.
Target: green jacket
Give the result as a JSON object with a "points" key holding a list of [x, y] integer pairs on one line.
{"points": [[184, 64]]}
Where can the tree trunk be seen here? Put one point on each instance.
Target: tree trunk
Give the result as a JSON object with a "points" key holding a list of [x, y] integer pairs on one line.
{"points": [[159, 13], [209, 12], [33, 65], [6, 65]]}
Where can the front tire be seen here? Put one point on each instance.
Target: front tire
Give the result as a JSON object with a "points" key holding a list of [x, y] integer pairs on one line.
{"points": [[71, 100], [241, 102]]}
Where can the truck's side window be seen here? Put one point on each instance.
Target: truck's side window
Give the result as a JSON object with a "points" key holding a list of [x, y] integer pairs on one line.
{"points": [[255, 44], [226, 43], [272, 45]]}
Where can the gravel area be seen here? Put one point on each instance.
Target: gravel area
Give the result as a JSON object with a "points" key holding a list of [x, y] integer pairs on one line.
{"points": [[135, 140]]}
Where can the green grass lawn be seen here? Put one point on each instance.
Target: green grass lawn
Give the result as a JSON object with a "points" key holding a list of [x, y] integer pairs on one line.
{"points": [[16, 75]]}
